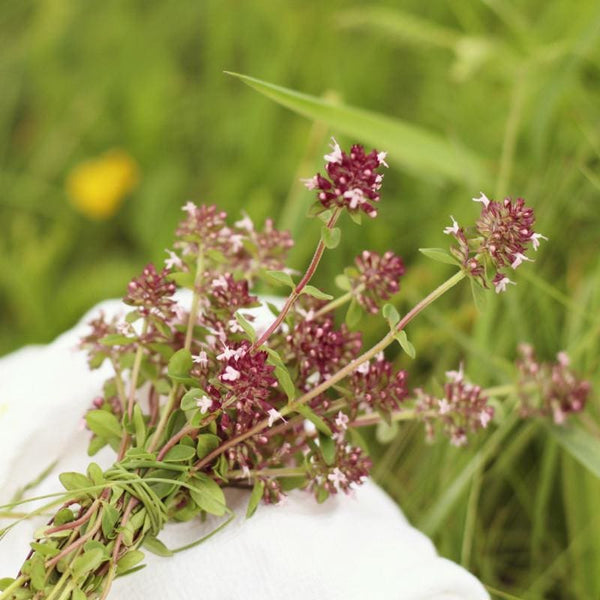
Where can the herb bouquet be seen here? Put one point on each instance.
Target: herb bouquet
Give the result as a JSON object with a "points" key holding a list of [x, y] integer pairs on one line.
{"points": [[201, 401]]}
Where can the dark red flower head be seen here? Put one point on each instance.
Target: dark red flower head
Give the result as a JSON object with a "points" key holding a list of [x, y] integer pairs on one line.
{"points": [[352, 179]]}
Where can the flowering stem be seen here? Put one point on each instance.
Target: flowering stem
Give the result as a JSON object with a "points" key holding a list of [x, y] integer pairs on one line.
{"points": [[500, 390], [16, 584], [135, 371], [347, 370], [195, 299], [374, 418], [279, 472], [340, 301], [314, 263], [162, 423]]}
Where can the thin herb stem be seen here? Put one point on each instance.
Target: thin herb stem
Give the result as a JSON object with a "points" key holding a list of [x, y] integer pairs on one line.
{"points": [[195, 299], [314, 263], [342, 373], [337, 302], [15, 585]]}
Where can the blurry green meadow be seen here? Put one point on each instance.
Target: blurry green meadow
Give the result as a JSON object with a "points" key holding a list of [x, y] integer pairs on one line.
{"points": [[128, 105]]}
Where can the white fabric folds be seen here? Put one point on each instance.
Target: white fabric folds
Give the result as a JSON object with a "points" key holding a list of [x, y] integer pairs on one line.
{"points": [[348, 548]]}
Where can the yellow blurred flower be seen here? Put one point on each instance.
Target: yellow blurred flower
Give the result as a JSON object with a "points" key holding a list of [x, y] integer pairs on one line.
{"points": [[97, 187]]}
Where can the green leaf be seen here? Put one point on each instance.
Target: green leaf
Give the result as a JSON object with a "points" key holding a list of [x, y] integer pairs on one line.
{"points": [[95, 474], [140, 426], [87, 562], [285, 381], [390, 314], [190, 399], [5, 582], [180, 365], [439, 255], [255, 497], [281, 278], [116, 339], [180, 453], [331, 237], [582, 446], [74, 481], [414, 148], [78, 594], [129, 560], [110, 516], [343, 282], [327, 446], [37, 573], [208, 495], [46, 550], [207, 442], [156, 546], [402, 339], [479, 296], [385, 432], [246, 326], [182, 279], [353, 314], [308, 414], [311, 290], [65, 515], [103, 423]]}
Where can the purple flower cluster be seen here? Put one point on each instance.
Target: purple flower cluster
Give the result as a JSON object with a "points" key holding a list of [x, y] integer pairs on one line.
{"points": [[462, 410], [378, 278], [352, 180], [375, 387], [502, 237], [349, 467], [550, 389], [151, 293], [319, 348]]}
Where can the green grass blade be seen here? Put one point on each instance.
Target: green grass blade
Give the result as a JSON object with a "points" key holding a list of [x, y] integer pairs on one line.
{"points": [[582, 446], [416, 149]]}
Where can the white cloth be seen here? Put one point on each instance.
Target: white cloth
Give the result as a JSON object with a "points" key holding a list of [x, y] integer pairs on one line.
{"points": [[347, 548]]}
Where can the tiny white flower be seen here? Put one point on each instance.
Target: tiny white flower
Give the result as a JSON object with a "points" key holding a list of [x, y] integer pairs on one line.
{"points": [[563, 359], [123, 327], [364, 368], [381, 158], [219, 282], [311, 183], [356, 197], [179, 311], [535, 240], [336, 155], [341, 421], [234, 326], [246, 471], [274, 415], [314, 378], [173, 260], [245, 223], [500, 286], [452, 230], [484, 418], [204, 403], [337, 477], [200, 359], [189, 208], [230, 374], [483, 199], [456, 376], [444, 406], [237, 242], [519, 259], [380, 356]]}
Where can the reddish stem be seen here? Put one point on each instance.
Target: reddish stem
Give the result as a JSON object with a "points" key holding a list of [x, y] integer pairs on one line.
{"points": [[314, 263]]}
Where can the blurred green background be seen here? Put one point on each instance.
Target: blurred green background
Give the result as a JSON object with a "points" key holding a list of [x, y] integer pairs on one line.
{"points": [[493, 95]]}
